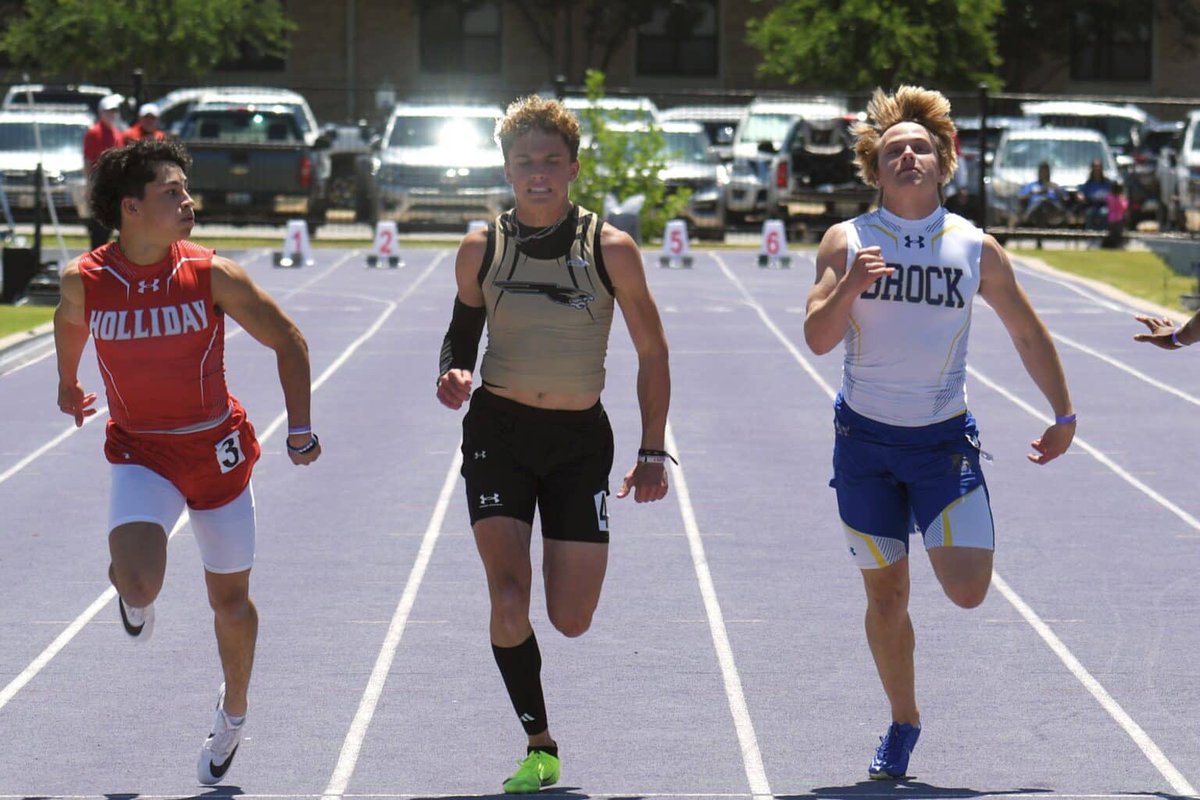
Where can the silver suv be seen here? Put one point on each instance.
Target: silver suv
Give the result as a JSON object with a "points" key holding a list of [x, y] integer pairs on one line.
{"points": [[440, 164]]}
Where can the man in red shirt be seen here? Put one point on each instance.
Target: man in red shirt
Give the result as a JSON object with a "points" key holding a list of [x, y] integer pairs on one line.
{"points": [[102, 136], [146, 126], [155, 306]]}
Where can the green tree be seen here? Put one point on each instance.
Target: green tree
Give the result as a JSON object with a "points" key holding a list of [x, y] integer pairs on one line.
{"points": [[84, 38], [859, 44], [624, 163]]}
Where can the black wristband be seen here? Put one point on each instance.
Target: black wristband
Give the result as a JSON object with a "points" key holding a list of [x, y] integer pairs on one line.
{"points": [[311, 445], [647, 456]]}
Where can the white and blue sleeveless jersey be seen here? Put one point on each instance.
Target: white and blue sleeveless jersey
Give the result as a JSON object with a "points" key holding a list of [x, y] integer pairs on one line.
{"points": [[906, 345]]}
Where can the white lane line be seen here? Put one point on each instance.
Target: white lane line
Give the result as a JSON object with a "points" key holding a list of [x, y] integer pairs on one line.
{"points": [[1121, 365], [1094, 452], [352, 746], [1142, 739], [756, 774], [71, 630], [102, 411], [1081, 290], [1151, 750], [64, 638]]}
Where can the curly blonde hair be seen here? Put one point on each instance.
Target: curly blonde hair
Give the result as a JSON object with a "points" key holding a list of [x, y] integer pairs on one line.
{"points": [[533, 113], [928, 108]]}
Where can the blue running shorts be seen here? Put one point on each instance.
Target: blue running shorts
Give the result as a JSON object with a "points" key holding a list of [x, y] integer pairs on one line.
{"points": [[892, 480]]}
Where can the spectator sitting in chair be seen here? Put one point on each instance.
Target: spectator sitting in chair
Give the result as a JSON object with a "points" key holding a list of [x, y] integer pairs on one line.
{"points": [[1043, 202], [1094, 196], [1117, 205]]}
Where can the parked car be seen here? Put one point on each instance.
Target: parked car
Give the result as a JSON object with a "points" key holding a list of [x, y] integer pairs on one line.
{"points": [[61, 155], [79, 96], [1069, 153], [254, 164], [720, 124], [760, 134], [175, 105], [691, 165], [813, 179], [352, 178], [616, 110], [259, 97], [963, 190], [1121, 125], [1172, 173], [1179, 178], [439, 164]]}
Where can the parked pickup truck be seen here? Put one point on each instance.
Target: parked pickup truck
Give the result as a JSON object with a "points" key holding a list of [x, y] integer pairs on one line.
{"points": [[253, 165], [813, 180]]}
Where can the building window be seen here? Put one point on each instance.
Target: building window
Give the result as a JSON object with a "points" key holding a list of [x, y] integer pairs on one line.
{"points": [[679, 40], [454, 40], [1106, 49]]}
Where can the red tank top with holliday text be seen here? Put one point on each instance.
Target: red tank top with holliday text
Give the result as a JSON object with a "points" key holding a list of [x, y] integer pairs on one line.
{"points": [[159, 338]]}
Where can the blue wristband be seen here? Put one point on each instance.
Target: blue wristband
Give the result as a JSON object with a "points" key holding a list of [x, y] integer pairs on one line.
{"points": [[1069, 419], [1175, 338]]}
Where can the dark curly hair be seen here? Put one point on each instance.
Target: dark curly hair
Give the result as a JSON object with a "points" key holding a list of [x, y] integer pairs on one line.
{"points": [[124, 172]]}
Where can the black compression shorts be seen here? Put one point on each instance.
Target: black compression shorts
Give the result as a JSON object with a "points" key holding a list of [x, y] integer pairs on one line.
{"points": [[516, 457]]}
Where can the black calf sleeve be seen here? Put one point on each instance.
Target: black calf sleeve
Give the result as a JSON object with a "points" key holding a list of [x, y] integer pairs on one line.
{"points": [[521, 668]]}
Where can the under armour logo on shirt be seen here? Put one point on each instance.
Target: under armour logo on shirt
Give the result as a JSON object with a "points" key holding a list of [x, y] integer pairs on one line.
{"points": [[919, 241], [144, 285]]}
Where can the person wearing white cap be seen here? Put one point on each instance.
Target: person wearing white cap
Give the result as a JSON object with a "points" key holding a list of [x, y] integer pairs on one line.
{"points": [[102, 136], [146, 126]]}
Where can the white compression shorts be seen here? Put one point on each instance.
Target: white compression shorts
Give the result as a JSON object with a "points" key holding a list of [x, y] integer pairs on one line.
{"points": [[225, 535]]}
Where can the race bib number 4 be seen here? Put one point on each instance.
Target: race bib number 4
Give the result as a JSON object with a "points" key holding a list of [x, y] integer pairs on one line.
{"points": [[230, 453]]}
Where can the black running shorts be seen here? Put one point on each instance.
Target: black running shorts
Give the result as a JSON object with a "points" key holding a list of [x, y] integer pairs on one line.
{"points": [[516, 457]]}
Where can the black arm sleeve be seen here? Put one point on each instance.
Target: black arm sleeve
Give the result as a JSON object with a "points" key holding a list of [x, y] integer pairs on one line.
{"points": [[460, 348]]}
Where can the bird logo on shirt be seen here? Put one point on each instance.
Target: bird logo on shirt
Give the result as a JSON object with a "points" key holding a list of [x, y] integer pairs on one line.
{"points": [[563, 295]]}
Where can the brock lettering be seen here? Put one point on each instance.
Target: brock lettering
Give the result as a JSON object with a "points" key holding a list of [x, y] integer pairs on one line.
{"points": [[936, 286]]}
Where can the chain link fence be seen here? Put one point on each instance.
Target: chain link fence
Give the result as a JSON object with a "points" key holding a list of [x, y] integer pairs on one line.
{"points": [[1030, 165]]}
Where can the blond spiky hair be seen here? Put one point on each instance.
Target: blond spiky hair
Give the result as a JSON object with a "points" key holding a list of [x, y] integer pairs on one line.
{"points": [[926, 107]]}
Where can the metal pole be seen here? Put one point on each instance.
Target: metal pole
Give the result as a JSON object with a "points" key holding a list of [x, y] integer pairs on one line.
{"points": [[351, 56], [983, 148], [139, 88], [38, 176]]}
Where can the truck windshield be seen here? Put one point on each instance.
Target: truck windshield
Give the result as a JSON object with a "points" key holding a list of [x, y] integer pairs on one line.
{"points": [[18, 136], [250, 127], [470, 133]]}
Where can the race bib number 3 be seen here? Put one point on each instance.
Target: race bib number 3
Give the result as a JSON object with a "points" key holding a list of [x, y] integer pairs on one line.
{"points": [[230, 453]]}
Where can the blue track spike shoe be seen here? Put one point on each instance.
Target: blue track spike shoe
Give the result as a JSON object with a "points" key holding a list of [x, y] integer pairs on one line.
{"points": [[221, 745], [138, 622], [895, 746]]}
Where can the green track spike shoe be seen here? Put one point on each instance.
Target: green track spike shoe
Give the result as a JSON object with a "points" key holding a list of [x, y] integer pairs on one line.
{"points": [[537, 770]]}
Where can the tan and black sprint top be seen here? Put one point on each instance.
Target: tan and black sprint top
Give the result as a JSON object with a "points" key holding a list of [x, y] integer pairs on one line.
{"points": [[549, 307]]}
